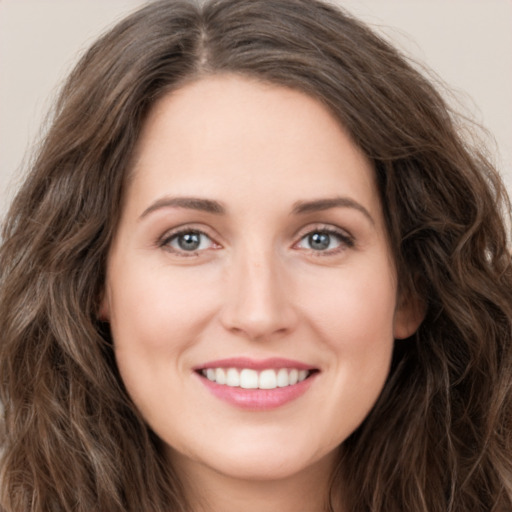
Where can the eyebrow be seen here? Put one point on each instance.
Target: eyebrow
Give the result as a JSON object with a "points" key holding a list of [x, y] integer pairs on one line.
{"points": [[215, 207], [318, 205], [191, 203]]}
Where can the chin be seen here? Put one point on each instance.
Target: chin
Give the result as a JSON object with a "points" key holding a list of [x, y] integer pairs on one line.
{"points": [[260, 461]]}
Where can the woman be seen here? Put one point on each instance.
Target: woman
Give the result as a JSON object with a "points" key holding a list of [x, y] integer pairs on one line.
{"points": [[255, 267]]}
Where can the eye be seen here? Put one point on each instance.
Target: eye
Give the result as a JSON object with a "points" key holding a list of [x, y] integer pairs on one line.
{"points": [[188, 241], [325, 240]]}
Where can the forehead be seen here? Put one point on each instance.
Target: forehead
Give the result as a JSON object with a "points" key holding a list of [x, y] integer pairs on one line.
{"points": [[226, 134]]}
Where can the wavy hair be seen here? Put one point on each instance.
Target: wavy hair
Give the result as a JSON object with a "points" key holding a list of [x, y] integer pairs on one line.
{"points": [[439, 438]]}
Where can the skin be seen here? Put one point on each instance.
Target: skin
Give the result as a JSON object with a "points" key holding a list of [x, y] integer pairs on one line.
{"points": [[256, 288]]}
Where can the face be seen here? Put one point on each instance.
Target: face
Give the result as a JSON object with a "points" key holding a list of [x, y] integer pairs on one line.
{"points": [[250, 290]]}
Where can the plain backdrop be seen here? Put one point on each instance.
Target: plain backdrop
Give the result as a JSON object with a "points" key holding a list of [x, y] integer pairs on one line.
{"points": [[467, 44]]}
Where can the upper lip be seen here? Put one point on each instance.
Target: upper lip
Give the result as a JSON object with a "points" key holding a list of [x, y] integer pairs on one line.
{"points": [[255, 364]]}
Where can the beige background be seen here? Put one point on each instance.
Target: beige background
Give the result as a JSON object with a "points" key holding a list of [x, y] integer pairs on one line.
{"points": [[468, 43]]}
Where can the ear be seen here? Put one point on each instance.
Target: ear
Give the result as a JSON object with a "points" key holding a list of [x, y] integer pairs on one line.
{"points": [[409, 314]]}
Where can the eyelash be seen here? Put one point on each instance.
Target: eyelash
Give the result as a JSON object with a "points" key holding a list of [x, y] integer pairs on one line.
{"points": [[168, 238], [346, 241]]}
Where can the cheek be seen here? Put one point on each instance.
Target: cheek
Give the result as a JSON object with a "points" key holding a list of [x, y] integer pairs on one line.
{"points": [[354, 320], [353, 310], [359, 331], [152, 307], [155, 316]]}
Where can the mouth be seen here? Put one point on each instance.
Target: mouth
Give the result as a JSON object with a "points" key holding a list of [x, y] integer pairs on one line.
{"points": [[257, 385], [249, 378]]}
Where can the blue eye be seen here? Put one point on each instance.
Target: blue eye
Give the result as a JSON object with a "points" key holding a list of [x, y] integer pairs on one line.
{"points": [[324, 241], [188, 241]]}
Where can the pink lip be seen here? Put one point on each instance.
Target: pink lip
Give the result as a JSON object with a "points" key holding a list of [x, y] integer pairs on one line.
{"points": [[255, 364], [256, 399]]}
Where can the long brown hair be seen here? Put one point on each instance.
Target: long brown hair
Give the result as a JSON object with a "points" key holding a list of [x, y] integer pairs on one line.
{"points": [[440, 437]]}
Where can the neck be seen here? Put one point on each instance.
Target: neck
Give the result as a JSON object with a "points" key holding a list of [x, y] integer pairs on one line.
{"points": [[210, 491]]}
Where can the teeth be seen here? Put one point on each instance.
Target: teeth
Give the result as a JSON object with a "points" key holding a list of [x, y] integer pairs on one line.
{"points": [[220, 376], [282, 378], [248, 379], [233, 377], [268, 379], [252, 379]]}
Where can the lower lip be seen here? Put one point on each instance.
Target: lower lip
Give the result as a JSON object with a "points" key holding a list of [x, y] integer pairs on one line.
{"points": [[258, 399]]}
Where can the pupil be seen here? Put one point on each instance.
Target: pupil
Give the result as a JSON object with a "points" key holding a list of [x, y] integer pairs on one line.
{"points": [[319, 241], [189, 241]]}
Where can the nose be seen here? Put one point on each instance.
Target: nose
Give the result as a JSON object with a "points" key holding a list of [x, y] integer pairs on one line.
{"points": [[258, 300]]}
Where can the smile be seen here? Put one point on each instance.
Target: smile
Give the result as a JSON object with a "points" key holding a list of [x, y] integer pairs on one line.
{"points": [[248, 378], [257, 385]]}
